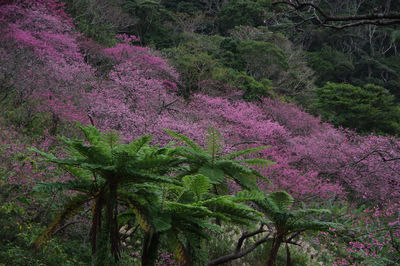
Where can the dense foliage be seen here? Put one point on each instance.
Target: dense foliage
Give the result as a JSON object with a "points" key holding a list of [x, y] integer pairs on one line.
{"points": [[219, 92]]}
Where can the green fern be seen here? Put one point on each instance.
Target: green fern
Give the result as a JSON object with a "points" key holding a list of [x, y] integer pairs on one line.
{"points": [[69, 210], [167, 191], [277, 208], [210, 163], [214, 143], [198, 184]]}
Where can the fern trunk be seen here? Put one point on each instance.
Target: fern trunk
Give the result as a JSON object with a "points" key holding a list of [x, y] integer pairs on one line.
{"points": [[273, 254], [150, 247]]}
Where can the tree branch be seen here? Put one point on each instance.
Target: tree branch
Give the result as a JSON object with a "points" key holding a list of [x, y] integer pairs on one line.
{"points": [[238, 254], [247, 235], [379, 19], [66, 225]]}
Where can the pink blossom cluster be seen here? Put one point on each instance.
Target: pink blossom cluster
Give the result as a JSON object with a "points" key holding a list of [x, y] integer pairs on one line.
{"points": [[125, 38]]}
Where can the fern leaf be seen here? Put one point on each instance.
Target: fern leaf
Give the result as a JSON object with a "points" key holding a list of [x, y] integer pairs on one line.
{"points": [[245, 195], [188, 210], [215, 174], [138, 144], [69, 210], [179, 250], [186, 140], [161, 222], [303, 213], [234, 155], [77, 185], [198, 184], [91, 133], [259, 162], [281, 199], [139, 176], [214, 143]]}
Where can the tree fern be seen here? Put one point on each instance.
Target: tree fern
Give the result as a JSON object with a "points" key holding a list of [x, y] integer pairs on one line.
{"points": [[287, 223], [214, 143], [210, 163], [165, 190], [69, 210]]}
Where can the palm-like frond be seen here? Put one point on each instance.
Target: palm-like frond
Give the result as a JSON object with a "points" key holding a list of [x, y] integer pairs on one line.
{"points": [[69, 210], [167, 190], [208, 162], [281, 199], [214, 143], [259, 162], [198, 184], [84, 186], [234, 155], [185, 139], [312, 226]]}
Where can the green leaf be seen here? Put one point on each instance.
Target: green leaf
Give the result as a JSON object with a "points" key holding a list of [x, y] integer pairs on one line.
{"points": [[214, 143], [282, 199], [198, 184], [185, 139], [243, 152], [69, 210], [216, 175], [259, 162], [161, 222]]}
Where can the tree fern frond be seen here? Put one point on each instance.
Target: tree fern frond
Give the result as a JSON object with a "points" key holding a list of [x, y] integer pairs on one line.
{"points": [[152, 162], [193, 155], [188, 210], [142, 215], [125, 217], [267, 206], [111, 139], [214, 143], [281, 199], [76, 185], [234, 211], [91, 133], [254, 195], [216, 175], [202, 223], [259, 162], [138, 144], [198, 184], [70, 209], [140, 176], [234, 155], [179, 250], [161, 222], [51, 158], [245, 180], [303, 213], [313, 226], [186, 140]]}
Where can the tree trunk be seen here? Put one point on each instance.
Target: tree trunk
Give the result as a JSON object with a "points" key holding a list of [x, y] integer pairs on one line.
{"points": [[273, 254], [288, 257], [150, 247]]}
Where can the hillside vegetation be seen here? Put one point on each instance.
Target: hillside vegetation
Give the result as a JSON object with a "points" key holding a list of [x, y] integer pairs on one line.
{"points": [[197, 133]]}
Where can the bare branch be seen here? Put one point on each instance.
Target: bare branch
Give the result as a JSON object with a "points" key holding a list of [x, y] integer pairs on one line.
{"points": [[66, 225], [379, 19], [247, 235], [238, 255]]}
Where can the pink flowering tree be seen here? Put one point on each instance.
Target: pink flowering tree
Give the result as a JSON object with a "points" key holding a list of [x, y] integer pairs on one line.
{"points": [[41, 61]]}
